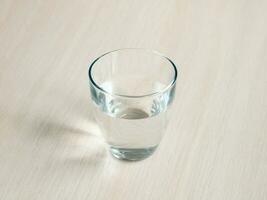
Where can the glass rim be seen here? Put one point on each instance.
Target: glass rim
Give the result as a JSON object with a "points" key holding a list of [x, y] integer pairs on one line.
{"points": [[133, 96]]}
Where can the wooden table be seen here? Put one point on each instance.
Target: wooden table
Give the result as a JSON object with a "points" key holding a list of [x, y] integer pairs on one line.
{"points": [[216, 144]]}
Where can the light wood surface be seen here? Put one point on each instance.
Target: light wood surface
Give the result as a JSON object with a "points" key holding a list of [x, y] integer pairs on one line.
{"points": [[216, 144]]}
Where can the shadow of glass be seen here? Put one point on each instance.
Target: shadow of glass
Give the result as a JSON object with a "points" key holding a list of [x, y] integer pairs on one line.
{"points": [[76, 142]]}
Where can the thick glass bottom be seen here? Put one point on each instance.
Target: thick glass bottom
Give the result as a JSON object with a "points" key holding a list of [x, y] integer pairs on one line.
{"points": [[132, 154]]}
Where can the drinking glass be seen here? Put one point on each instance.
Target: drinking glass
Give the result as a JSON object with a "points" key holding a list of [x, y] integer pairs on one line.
{"points": [[132, 90]]}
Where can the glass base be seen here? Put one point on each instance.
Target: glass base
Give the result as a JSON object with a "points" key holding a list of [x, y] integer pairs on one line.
{"points": [[132, 154]]}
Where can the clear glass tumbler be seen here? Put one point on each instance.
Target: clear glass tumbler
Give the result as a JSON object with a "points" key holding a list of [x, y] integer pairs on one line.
{"points": [[132, 90]]}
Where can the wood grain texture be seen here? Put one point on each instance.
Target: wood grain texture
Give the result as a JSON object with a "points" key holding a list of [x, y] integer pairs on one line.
{"points": [[216, 144]]}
